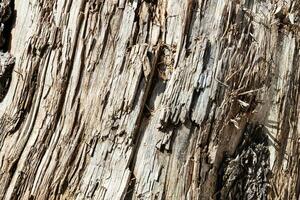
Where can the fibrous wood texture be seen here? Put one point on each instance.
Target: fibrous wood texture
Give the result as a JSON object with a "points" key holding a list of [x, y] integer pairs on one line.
{"points": [[153, 99]]}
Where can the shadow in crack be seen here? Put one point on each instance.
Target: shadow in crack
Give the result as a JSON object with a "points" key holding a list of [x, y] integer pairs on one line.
{"points": [[8, 16], [246, 174]]}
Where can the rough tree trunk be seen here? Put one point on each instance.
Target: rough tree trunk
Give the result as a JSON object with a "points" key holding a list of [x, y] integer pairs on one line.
{"points": [[152, 99]]}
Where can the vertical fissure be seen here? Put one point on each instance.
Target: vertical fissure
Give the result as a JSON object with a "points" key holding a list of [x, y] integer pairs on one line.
{"points": [[7, 61]]}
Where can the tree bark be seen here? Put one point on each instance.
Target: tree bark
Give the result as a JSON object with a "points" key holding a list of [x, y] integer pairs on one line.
{"points": [[153, 99]]}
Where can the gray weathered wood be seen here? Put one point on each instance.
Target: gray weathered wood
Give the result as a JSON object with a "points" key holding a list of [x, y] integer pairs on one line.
{"points": [[114, 99]]}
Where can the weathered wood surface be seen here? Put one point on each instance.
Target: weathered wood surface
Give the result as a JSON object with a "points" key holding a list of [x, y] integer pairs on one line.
{"points": [[114, 99]]}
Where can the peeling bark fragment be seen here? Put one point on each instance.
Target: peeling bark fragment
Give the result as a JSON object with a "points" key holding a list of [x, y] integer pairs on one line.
{"points": [[246, 174]]}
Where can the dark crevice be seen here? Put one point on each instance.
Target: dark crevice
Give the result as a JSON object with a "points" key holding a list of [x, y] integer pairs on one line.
{"points": [[8, 26], [7, 61], [153, 2], [246, 174], [130, 190], [206, 56], [189, 26], [5, 76], [8, 20]]}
